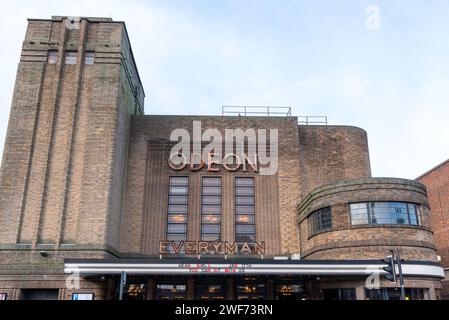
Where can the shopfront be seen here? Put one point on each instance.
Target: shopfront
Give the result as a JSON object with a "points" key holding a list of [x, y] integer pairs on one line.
{"points": [[245, 279]]}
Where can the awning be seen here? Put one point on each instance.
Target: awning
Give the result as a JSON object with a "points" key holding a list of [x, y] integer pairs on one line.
{"points": [[247, 267]]}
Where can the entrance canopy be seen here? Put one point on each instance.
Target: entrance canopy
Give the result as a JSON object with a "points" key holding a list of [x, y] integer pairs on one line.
{"points": [[205, 266]]}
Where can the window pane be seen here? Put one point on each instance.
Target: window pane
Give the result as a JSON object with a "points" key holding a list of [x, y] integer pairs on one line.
{"points": [[211, 219], [177, 228], [177, 218], [211, 209], [244, 201], [179, 190], [70, 57], [177, 200], [244, 191], [245, 237], [211, 200], [245, 219], [244, 210], [176, 237], [320, 220], [52, 57], [383, 213], [211, 190], [244, 228], [179, 181], [177, 209], [209, 181], [211, 228], [89, 58], [243, 181], [210, 236]]}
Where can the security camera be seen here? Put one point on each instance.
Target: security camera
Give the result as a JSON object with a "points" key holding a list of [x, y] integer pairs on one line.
{"points": [[44, 254]]}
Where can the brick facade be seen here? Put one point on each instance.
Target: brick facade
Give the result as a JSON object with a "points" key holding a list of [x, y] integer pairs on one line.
{"points": [[437, 182], [85, 173]]}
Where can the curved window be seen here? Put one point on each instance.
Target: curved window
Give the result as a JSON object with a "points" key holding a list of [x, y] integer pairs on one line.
{"points": [[320, 220], [384, 213]]}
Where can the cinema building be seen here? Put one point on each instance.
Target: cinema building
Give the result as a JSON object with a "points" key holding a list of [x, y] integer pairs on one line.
{"points": [[94, 205]]}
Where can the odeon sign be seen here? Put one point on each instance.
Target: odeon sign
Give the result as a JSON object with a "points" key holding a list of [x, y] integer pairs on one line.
{"points": [[209, 247], [231, 162]]}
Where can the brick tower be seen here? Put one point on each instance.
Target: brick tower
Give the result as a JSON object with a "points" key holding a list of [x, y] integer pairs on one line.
{"points": [[63, 169]]}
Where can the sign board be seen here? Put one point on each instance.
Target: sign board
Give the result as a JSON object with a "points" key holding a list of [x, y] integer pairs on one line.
{"points": [[82, 296], [211, 247]]}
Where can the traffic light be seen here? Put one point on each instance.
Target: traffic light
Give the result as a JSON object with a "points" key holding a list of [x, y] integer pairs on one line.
{"points": [[390, 268]]}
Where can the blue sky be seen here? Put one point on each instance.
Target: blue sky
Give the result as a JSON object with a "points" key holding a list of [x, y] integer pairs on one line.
{"points": [[316, 56]]}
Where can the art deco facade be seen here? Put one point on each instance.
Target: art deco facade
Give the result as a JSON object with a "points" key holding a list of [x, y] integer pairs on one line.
{"points": [[87, 189]]}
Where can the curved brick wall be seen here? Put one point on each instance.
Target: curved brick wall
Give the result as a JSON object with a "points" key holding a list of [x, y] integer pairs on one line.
{"points": [[331, 153], [346, 241]]}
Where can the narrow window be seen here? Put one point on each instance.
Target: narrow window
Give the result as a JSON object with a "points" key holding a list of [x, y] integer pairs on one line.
{"points": [[320, 220], [177, 209], [245, 227], [211, 209], [52, 56], [70, 57], [89, 58]]}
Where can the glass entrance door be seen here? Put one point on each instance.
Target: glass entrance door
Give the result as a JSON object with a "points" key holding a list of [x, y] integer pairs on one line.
{"points": [[210, 289], [250, 289]]}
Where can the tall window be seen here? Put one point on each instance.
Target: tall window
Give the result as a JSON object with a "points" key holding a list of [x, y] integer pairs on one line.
{"points": [[384, 213], [320, 220], [245, 224], [211, 209], [70, 57], [177, 208], [52, 56], [89, 57]]}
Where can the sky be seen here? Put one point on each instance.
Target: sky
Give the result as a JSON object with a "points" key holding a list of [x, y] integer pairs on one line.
{"points": [[380, 65]]}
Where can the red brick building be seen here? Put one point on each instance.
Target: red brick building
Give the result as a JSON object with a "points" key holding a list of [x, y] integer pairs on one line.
{"points": [[94, 202], [437, 182]]}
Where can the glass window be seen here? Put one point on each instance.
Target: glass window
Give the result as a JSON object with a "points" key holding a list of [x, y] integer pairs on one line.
{"points": [[211, 228], [177, 209], [171, 291], [211, 209], [320, 220], [179, 218], [250, 289], [384, 213], [89, 58], [212, 290], [215, 200], [245, 227], [178, 190], [245, 237], [245, 219], [70, 57], [211, 219], [177, 228], [245, 201], [178, 200], [52, 56]]}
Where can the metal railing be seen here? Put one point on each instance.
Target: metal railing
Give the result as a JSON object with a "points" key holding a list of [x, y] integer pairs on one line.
{"points": [[256, 111], [308, 120]]}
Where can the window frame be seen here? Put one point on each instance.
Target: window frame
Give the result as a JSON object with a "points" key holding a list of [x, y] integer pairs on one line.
{"points": [[369, 215], [315, 221], [215, 205], [251, 205], [172, 183]]}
